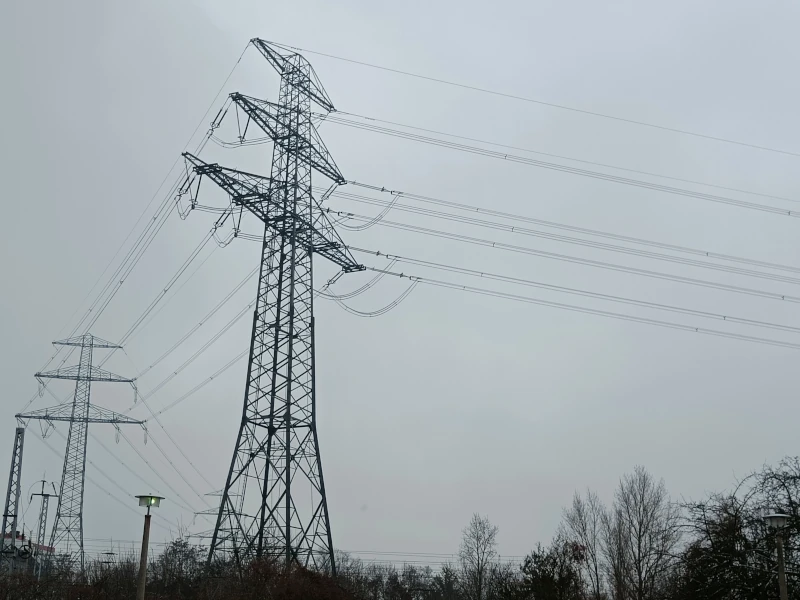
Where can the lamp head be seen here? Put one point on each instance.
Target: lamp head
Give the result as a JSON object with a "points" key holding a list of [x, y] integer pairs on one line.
{"points": [[150, 501], [776, 520]]}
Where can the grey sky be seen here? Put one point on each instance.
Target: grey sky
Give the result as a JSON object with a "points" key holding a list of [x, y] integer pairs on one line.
{"points": [[450, 403]]}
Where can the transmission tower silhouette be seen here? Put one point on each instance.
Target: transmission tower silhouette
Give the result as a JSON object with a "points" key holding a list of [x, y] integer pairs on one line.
{"points": [[68, 526], [41, 530], [262, 512], [11, 510]]}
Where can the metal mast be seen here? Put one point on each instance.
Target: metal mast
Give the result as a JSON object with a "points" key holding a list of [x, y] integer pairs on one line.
{"points": [[42, 528], [68, 526], [11, 511], [273, 503]]}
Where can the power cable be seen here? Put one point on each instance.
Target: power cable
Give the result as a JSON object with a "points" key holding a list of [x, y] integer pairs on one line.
{"points": [[163, 292], [562, 157], [575, 229], [97, 485], [542, 102], [639, 183], [357, 292], [495, 293], [166, 302], [213, 311], [154, 470], [578, 292], [583, 261], [154, 303], [593, 311], [565, 239], [202, 321], [203, 383], [175, 443], [377, 219], [122, 272], [134, 473], [375, 313], [144, 233], [166, 481], [198, 353]]}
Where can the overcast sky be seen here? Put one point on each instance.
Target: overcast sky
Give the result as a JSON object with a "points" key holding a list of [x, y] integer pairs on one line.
{"points": [[451, 403]]}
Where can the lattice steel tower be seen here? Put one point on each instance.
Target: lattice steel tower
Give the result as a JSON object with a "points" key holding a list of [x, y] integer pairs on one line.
{"points": [[40, 554], [273, 503], [67, 534], [11, 511]]}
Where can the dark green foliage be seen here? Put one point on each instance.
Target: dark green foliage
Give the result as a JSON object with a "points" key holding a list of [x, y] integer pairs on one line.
{"points": [[553, 573]]}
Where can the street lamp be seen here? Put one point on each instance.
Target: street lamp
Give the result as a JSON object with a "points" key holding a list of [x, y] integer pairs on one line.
{"points": [[777, 522], [149, 501]]}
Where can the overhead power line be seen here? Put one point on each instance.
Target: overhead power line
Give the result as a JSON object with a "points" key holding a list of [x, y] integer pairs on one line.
{"points": [[170, 283], [202, 384], [578, 292], [174, 468], [515, 229], [544, 103], [590, 311], [166, 301], [414, 279], [202, 322], [527, 161], [101, 488], [175, 443], [138, 248], [563, 157], [126, 466], [577, 260], [565, 227], [225, 328]]}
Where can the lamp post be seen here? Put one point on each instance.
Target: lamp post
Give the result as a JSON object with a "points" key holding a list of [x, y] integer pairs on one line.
{"points": [[776, 522], [150, 502]]}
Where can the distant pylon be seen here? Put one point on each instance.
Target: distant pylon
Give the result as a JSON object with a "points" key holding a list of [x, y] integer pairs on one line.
{"points": [[11, 511], [42, 555], [68, 526], [262, 512]]}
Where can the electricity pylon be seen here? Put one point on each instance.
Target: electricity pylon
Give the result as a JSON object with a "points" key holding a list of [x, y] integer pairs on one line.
{"points": [[42, 528], [262, 512], [11, 510], [68, 526]]}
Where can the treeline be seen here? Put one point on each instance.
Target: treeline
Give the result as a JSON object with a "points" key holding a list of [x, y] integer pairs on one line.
{"points": [[642, 545]]}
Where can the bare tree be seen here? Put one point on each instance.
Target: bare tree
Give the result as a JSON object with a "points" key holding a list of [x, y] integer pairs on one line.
{"points": [[476, 555], [641, 535], [583, 525]]}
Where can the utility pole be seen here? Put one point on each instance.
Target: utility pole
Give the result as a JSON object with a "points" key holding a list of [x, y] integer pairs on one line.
{"points": [[777, 522], [141, 581], [68, 526], [42, 529], [781, 567], [11, 510], [277, 448]]}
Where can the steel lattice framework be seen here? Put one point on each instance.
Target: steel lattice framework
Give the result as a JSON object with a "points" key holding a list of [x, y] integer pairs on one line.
{"points": [[11, 511], [67, 534], [265, 509], [41, 554]]}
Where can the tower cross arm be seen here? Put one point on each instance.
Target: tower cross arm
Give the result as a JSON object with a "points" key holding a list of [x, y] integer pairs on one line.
{"points": [[257, 194], [284, 61], [64, 412], [87, 340], [75, 373], [275, 121]]}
